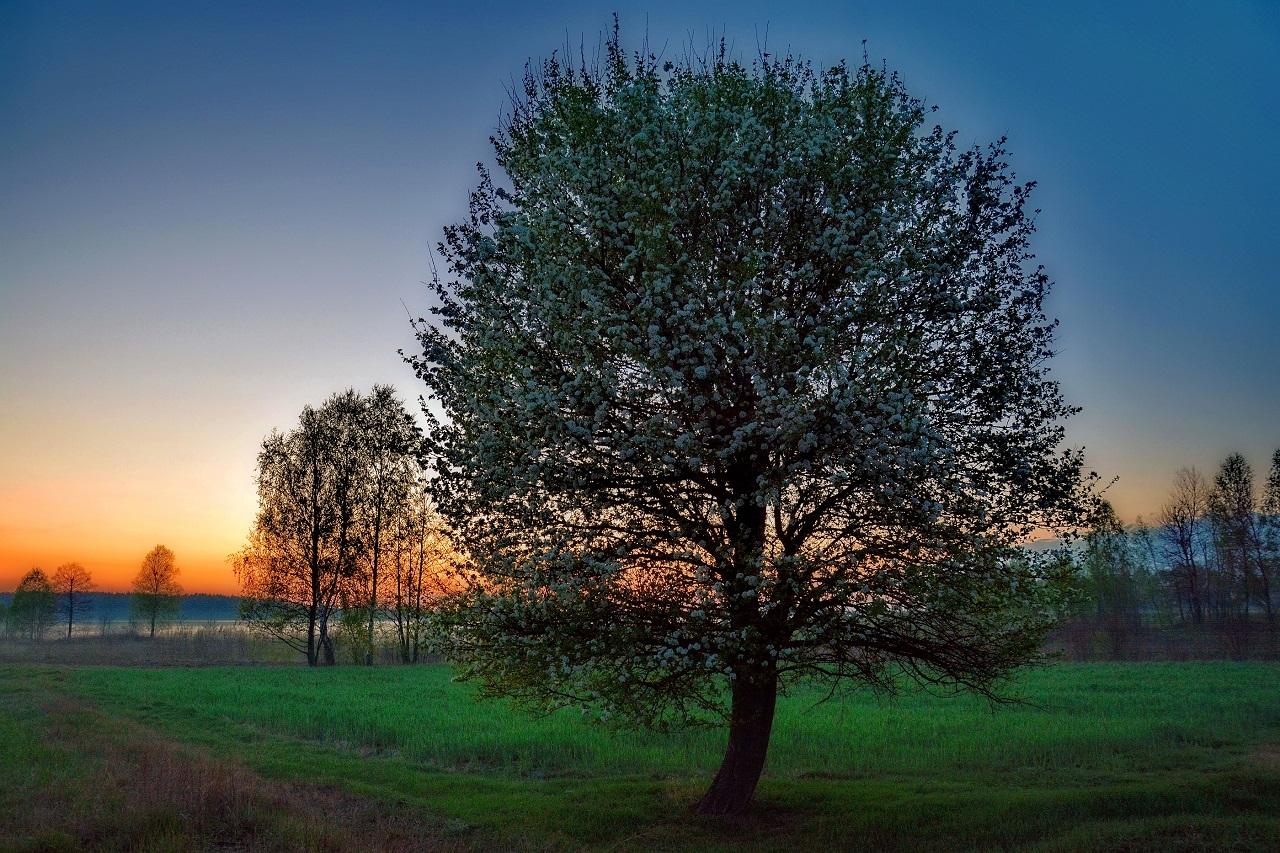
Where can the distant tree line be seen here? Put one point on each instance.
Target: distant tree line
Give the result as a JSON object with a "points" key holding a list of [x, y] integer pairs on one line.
{"points": [[40, 602], [1208, 564], [346, 543], [347, 552]]}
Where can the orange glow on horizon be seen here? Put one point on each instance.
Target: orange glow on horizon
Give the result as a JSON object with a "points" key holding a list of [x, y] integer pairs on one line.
{"points": [[111, 542], [114, 569], [106, 498], [108, 524]]}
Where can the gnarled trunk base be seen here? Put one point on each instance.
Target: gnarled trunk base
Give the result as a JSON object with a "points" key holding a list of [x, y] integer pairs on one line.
{"points": [[749, 728]]}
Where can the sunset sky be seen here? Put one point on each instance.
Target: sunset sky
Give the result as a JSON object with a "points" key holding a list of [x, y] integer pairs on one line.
{"points": [[212, 214]]}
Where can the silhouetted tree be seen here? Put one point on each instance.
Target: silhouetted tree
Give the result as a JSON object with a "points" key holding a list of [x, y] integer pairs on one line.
{"points": [[1269, 523], [1183, 530], [300, 549], [157, 595], [72, 583], [424, 569], [1237, 537], [745, 378], [1111, 577], [34, 606], [1153, 578], [392, 443], [326, 491]]}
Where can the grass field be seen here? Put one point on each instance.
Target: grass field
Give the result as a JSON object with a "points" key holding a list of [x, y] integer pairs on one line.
{"points": [[1121, 757]]}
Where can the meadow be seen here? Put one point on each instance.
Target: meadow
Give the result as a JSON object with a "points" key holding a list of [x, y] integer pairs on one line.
{"points": [[1120, 757]]}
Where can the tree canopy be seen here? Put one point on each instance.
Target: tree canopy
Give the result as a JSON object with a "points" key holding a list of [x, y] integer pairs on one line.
{"points": [[332, 493], [71, 584], [157, 595], [34, 606], [744, 375]]}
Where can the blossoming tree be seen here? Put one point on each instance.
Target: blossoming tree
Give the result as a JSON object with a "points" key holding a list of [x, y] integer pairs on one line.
{"points": [[744, 375]]}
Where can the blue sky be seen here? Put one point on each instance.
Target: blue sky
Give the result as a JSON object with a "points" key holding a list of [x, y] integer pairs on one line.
{"points": [[213, 214]]}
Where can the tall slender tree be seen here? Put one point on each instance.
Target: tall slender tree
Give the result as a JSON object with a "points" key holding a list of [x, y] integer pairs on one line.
{"points": [[1183, 531], [1233, 511], [1269, 529], [327, 492], [425, 569], [745, 376], [1145, 552], [392, 444], [297, 556]]}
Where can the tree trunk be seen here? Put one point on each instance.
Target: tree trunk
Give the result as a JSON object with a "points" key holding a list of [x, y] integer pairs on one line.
{"points": [[1264, 574], [327, 657], [326, 646], [754, 698], [373, 589], [1195, 595], [312, 651]]}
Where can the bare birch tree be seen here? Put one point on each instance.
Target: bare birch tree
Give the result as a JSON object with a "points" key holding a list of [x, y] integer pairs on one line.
{"points": [[1183, 529], [304, 544], [392, 443]]}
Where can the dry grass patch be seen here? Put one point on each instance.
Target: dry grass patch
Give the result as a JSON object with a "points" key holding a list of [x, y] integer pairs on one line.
{"points": [[108, 784]]}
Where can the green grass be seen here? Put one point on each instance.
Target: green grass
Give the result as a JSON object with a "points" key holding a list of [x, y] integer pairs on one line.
{"points": [[74, 778], [1104, 717], [1103, 757]]}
